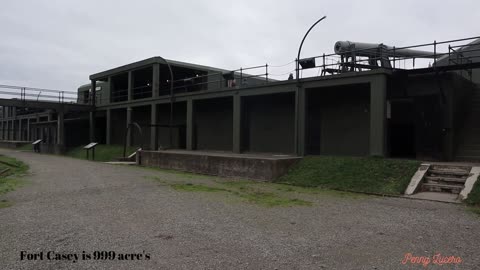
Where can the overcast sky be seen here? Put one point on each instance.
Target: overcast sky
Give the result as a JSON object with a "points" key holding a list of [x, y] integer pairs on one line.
{"points": [[59, 43]]}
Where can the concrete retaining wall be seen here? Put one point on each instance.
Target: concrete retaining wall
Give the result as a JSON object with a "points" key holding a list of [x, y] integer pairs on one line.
{"points": [[226, 165], [13, 144]]}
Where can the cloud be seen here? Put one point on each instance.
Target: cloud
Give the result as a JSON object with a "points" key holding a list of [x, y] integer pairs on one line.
{"points": [[58, 44]]}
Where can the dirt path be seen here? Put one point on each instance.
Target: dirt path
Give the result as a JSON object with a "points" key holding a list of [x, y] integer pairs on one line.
{"points": [[70, 206]]}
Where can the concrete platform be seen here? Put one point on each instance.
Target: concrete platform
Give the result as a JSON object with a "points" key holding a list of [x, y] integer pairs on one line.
{"points": [[252, 166], [435, 196]]}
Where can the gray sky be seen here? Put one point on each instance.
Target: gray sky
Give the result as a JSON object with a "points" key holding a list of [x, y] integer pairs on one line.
{"points": [[59, 43]]}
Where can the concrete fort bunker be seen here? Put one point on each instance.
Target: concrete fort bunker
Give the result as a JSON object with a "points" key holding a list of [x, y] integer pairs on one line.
{"points": [[363, 104]]}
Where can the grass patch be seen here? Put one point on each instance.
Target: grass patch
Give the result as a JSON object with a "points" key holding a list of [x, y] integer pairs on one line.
{"points": [[474, 196], [271, 199], [182, 174], [242, 191], [361, 174], [192, 187], [473, 199], [103, 152], [4, 204], [10, 179], [26, 147]]}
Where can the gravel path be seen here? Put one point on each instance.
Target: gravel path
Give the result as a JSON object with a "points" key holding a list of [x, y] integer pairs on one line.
{"points": [[75, 206]]}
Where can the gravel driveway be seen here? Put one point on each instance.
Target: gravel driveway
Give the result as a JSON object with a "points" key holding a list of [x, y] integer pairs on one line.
{"points": [[83, 208]]}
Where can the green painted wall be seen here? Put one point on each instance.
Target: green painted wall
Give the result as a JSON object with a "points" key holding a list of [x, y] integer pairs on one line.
{"points": [[338, 120], [213, 124], [269, 123]]}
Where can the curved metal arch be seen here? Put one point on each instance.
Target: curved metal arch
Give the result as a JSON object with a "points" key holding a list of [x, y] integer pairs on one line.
{"points": [[135, 124]]}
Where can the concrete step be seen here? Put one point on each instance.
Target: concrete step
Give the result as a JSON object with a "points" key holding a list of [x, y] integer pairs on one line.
{"points": [[446, 180], [468, 146], [467, 152], [442, 188], [445, 172], [467, 158]]}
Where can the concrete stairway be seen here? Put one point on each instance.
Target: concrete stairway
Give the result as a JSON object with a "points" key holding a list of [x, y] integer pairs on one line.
{"points": [[447, 179], [444, 182], [469, 137]]}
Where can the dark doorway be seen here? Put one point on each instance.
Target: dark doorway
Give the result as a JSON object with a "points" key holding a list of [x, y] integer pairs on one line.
{"points": [[402, 129]]}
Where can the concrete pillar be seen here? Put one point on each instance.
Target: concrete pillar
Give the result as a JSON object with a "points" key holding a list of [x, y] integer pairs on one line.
{"points": [[28, 130], [19, 135], [300, 126], [130, 85], [108, 126], [12, 128], [107, 92], [190, 123], [378, 96], [237, 124], [93, 92], [156, 80], [129, 121], [60, 129], [153, 128], [93, 86], [92, 127]]}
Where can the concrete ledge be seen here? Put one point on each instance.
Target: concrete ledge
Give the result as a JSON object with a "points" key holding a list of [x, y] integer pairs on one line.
{"points": [[417, 179], [13, 144], [472, 178], [260, 167]]}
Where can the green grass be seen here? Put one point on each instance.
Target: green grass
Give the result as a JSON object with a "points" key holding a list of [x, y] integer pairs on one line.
{"points": [[5, 203], [359, 174], [103, 152], [192, 187], [10, 180], [26, 147], [473, 199], [244, 190], [269, 199]]}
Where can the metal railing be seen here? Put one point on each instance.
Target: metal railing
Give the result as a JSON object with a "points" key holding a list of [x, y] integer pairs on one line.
{"points": [[37, 94], [257, 75], [454, 54]]}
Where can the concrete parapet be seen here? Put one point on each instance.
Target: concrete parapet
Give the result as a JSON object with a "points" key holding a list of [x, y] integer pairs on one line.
{"points": [[259, 167]]}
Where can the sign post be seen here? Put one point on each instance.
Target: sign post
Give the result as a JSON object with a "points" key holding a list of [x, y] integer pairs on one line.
{"points": [[36, 146], [90, 146]]}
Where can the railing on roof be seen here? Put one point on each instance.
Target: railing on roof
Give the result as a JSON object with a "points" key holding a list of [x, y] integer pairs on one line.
{"points": [[242, 77], [454, 53], [37, 94]]}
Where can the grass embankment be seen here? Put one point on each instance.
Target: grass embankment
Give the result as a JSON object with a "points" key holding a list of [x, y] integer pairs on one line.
{"points": [[10, 172], [473, 198], [103, 152], [262, 194], [358, 174], [26, 147]]}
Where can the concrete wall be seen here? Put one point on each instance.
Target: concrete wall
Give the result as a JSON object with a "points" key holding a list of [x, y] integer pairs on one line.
{"points": [[213, 124], [119, 125], [218, 164], [76, 133], [179, 123], [269, 123], [339, 120], [141, 116]]}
